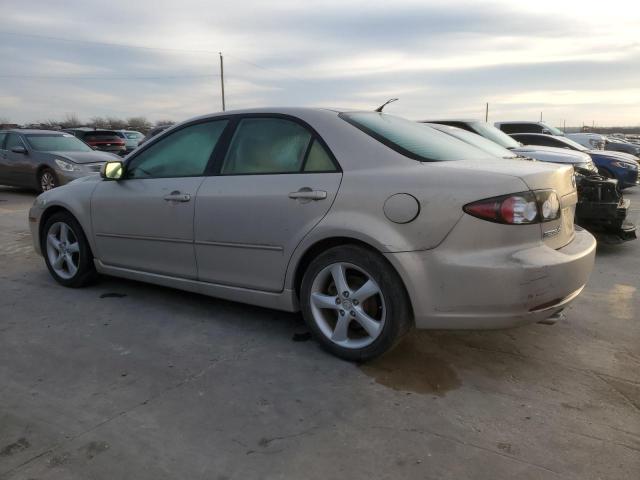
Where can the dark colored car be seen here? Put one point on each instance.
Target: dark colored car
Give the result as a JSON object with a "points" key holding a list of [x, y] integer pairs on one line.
{"points": [[105, 140], [617, 145], [618, 165], [42, 159]]}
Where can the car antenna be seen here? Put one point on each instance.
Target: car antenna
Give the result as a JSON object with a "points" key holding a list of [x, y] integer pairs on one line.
{"points": [[391, 100]]}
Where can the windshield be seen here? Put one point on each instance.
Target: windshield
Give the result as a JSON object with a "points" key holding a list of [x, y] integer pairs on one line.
{"points": [[412, 139], [57, 143], [495, 135], [132, 135], [554, 130], [475, 140], [574, 144]]}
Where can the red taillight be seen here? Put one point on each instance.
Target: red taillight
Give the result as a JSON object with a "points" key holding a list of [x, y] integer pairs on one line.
{"points": [[518, 208]]}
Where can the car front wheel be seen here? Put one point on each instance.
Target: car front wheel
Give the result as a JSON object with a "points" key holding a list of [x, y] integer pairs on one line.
{"points": [[66, 251], [47, 180], [354, 303]]}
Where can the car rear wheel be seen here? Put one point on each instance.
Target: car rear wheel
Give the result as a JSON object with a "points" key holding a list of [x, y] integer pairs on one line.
{"points": [[47, 180], [67, 252], [354, 303]]}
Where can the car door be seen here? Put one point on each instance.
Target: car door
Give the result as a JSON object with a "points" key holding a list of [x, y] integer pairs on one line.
{"points": [[275, 183], [4, 162], [145, 221], [19, 168]]}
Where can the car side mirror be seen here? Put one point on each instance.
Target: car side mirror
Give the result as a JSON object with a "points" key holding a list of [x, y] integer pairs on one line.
{"points": [[546, 131], [19, 149], [93, 147], [112, 170]]}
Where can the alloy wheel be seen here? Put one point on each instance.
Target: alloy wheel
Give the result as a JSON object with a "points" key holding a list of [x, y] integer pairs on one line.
{"points": [[47, 181], [63, 250], [347, 305]]}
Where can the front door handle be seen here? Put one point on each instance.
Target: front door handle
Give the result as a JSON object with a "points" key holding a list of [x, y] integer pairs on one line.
{"points": [[177, 197], [308, 194]]}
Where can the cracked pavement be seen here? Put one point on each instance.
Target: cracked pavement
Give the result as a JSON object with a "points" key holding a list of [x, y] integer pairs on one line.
{"points": [[153, 383]]}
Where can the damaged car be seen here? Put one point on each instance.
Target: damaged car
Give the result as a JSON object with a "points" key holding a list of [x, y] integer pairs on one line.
{"points": [[601, 207]]}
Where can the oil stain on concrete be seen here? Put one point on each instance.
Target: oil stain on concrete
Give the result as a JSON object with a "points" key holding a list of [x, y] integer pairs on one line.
{"points": [[413, 367]]}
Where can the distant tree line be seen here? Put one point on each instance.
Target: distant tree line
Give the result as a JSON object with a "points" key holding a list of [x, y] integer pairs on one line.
{"points": [[71, 120]]}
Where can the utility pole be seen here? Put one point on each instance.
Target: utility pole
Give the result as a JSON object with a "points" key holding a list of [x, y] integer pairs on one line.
{"points": [[486, 113], [540, 116], [222, 79], [564, 126]]}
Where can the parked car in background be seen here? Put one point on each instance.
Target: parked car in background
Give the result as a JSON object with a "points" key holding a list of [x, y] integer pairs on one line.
{"points": [[131, 138], [621, 166], [528, 127], [368, 223], [620, 145], [43, 159], [600, 208], [580, 161], [153, 132], [593, 141], [104, 140]]}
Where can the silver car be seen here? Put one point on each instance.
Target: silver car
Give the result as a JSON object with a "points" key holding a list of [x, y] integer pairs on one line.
{"points": [[368, 223]]}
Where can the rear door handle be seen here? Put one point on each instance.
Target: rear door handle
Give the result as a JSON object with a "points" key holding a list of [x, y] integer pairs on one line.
{"points": [[177, 197], [308, 194]]}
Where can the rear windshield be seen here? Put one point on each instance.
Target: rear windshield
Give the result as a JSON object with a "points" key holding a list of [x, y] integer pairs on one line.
{"points": [[132, 135], [92, 136], [411, 139], [57, 143]]}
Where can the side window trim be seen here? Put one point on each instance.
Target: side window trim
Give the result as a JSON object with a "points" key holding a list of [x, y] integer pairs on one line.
{"points": [[227, 136], [231, 121]]}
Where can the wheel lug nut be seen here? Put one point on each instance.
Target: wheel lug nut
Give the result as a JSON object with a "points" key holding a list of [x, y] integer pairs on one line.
{"points": [[338, 301], [353, 313], [342, 312], [356, 302], [345, 294]]}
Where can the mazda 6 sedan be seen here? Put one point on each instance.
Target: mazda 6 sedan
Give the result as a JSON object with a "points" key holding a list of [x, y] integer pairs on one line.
{"points": [[368, 223]]}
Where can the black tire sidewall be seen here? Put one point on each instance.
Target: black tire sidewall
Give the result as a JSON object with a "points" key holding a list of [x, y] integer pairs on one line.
{"points": [[398, 320], [86, 269]]}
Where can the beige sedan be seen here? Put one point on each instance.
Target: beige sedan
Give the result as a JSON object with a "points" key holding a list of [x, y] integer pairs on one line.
{"points": [[368, 223]]}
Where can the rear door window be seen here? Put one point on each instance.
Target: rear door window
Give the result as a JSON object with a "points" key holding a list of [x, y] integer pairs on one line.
{"points": [[274, 145]]}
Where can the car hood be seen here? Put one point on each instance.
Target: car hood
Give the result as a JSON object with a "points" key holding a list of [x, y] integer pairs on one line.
{"points": [[553, 154], [619, 156], [85, 157]]}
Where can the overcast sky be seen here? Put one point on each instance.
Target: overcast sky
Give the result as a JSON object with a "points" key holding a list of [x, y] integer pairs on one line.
{"points": [[574, 61]]}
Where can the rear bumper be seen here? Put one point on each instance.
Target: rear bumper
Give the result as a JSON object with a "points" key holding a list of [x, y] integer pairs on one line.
{"points": [[496, 288]]}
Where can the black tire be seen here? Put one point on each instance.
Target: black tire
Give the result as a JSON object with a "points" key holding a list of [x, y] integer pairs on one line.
{"points": [[51, 174], [86, 272], [398, 313]]}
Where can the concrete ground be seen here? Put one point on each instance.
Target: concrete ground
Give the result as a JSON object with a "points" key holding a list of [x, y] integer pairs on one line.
{"points": [[130, 381]]}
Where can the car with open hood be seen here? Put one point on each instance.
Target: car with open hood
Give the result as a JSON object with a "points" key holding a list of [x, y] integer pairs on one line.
{"points": [[367, 223]]}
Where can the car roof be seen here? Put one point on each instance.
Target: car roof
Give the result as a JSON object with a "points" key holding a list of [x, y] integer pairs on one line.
{"points": [[31, 131], [519, 121], [460, 120]]}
